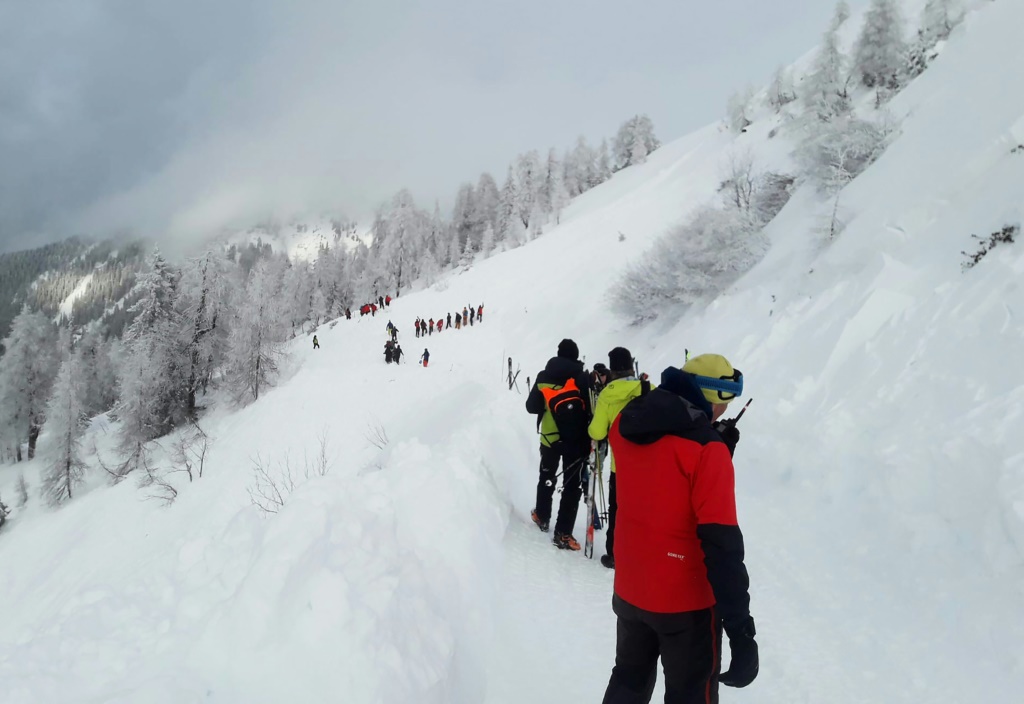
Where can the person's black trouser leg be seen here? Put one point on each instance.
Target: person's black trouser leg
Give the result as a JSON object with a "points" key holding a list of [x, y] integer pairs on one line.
{"points": [[609, 544], [689, 646], [636, 658], [574, 457], [549, 457]]}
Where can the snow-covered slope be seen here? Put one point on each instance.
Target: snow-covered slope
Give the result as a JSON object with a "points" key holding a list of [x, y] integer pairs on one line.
{"points": [[880, 474]]}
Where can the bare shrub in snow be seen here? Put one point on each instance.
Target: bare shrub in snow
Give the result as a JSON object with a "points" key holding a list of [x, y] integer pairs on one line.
{"points": [[1006, 235], [761, 195], [376, 434], [4, 511], [693, 261], [190, 450], [273, 484]]}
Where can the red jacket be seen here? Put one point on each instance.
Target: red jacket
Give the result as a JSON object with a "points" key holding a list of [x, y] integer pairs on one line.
{"points": [[677, 543]]}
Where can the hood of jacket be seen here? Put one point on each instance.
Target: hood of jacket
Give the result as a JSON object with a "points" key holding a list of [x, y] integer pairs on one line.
{"points": [[677, 407], [559, 370]]}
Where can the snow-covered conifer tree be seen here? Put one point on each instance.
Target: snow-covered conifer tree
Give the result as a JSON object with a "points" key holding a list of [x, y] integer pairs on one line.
{"points": [[65, 421], [825, 91], [257, 335], [487, 243], [487, 200], [202, 312], [529, 182], [27, 372], [507, 206], [879, 56], [604, 163]]}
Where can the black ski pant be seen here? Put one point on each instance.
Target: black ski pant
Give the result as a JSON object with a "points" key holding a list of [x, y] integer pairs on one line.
{"points": [[609, 543], [688, 644], [573, 457]]}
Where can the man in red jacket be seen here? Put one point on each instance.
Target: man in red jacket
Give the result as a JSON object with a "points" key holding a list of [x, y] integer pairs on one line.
{"points": [[679, 572]]}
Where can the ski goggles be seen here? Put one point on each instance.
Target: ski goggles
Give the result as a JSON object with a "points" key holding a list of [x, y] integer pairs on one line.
{"points": [[728, 387]]}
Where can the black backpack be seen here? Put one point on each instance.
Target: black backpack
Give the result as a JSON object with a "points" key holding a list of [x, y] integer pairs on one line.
{"points": [[568, 410]]}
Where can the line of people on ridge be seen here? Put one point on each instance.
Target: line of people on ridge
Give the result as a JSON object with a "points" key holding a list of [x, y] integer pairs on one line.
{"points": [[468, 316], [672, 534], [372, 307]]}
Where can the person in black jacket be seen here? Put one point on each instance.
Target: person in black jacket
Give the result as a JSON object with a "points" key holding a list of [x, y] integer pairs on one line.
{"points": [[563, 444]]}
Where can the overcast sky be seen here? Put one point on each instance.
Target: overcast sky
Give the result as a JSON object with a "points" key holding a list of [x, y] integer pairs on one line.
{"points": [[184, 117]]}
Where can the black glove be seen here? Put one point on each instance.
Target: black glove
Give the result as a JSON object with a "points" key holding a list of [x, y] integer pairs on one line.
{"points": [[744, 664], [729, 433]]}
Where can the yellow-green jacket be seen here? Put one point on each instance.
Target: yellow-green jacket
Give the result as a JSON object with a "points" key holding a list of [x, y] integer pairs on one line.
{"points": [[609, 404]]}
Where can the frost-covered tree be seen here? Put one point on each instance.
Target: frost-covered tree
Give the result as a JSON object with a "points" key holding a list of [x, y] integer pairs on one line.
{"points": [[156, 290], [580, 168], [487, 243], [782, 91], [694, 261], [202, 312], [604, 162], [938, 19], [4, 512], [634, 141], [99, 371], [880, 51], [152, 377], [66, 422], [464, 214], [837, 153], [257, 335], [507, 207], [529, 182], [739, 110], [825, 91], [487, 201], [27, 372]]}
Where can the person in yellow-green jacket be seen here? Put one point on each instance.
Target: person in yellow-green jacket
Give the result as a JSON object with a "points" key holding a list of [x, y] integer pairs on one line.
{"points": [[623, 388]]}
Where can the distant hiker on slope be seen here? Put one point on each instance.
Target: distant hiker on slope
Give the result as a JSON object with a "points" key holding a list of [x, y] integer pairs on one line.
{"points": [[387, 300], [449, 320], [480, 313], [431, 327], [425, 357], [316, 343], [559, 399], [458, 321], [679, 576], [619, 388], [472, 314], [389, 348], [397, 354]]}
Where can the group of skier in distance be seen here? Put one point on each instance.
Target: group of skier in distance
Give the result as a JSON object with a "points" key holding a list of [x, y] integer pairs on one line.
{"points": [[393, 350], [672, 535]]}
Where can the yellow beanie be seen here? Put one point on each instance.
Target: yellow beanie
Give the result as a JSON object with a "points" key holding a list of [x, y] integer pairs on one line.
{"points": [[712, 368]]}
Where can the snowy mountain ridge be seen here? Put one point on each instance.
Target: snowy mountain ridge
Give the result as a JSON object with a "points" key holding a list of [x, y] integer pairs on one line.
{"points": [[880, 472]]}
